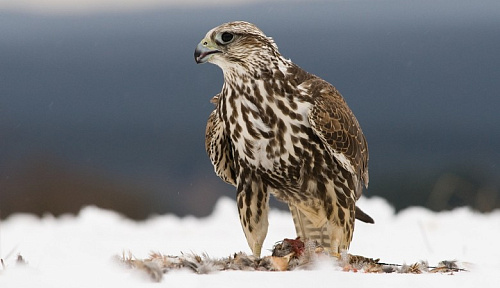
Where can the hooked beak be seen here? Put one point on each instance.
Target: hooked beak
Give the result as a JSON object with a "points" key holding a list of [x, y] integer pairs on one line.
{"points": [[204, 50]]}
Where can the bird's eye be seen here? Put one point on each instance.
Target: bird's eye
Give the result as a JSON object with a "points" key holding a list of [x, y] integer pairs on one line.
{"points": [[225, 37]]}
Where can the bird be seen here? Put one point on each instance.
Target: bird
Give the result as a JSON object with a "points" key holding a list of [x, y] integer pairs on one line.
{"points": [[277, 129]]}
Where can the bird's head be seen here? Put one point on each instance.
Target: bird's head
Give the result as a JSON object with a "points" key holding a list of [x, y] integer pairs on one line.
{"points": [[236, 45]]}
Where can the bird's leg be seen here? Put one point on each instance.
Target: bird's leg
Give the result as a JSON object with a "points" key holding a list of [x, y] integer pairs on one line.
{"points": [[253, 206], [340, 214], [299, 220], [336, 239], [341, 230], [307, 229]]}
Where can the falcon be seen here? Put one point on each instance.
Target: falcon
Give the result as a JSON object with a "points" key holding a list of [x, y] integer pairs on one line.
{"points": [[277, 129]]}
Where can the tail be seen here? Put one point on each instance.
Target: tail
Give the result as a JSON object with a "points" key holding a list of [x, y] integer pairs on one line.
{"points": [[362, 216]]}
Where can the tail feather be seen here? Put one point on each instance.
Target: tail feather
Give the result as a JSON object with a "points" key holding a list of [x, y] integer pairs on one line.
{"points": [[362, 216]]}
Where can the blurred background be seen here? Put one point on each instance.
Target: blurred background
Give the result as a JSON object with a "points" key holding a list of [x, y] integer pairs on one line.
{"points": [[101, 102]]}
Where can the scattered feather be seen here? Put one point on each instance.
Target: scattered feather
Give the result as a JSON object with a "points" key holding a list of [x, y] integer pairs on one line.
{"points": [[287, 255]]}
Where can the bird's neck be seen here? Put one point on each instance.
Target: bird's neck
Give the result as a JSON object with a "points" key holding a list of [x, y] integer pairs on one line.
{"points": [[257, 69]]}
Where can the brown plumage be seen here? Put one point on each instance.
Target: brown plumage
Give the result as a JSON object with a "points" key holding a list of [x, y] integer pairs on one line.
{"points": [[279, 130]]}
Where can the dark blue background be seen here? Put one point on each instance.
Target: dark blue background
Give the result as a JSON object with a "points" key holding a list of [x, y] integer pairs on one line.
{"points": [[110, 108]]}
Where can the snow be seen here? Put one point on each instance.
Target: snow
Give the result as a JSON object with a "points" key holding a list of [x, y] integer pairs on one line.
{"points": [[81, 251]]}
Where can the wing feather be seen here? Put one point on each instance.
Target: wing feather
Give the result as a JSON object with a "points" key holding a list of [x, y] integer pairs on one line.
{"points": [[337, 127], [218, 147]]}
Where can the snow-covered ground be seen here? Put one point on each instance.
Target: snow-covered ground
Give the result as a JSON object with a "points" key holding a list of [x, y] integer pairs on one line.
{"points": [[80, 251]]}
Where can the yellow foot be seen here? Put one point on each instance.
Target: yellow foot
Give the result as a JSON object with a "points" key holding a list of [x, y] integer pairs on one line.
{"points": [[256, 250], [336, 255]]}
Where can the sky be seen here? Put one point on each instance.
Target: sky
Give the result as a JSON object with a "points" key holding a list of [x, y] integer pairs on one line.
{"points": [[98, 106], [90, 6]]}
